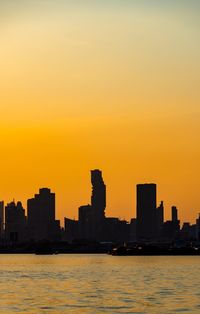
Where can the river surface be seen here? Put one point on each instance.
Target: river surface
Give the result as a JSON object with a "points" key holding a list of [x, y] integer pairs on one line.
{"points": [[99, 284]]}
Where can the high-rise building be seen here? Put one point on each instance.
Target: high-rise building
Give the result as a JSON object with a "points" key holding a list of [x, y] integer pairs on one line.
{"points": [[98, 204], [174, 213], [15, 222], [92, 217], [41, 216], [98, 199], [146, 211]]}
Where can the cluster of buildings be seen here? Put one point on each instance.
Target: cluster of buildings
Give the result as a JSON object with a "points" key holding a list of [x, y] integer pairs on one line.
{"points": [[92, 225], [39, 224]]}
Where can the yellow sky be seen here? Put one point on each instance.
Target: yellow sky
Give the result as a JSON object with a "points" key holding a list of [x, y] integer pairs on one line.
{"points": [[113, 86]]}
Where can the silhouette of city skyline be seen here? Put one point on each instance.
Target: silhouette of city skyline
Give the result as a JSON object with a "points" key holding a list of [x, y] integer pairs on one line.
{"points": [[92, 224]]}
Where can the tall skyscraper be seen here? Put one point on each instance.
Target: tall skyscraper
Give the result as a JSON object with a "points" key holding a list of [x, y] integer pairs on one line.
{"points": [[92, 217], [98, 199], [174, 213], [41, 216], [146, 211]]}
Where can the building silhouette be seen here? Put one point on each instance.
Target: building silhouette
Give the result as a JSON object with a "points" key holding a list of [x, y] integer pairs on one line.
{"points": [[92, 225], [98, 205], [146, 211], [86, 222], [15, 223], [188, 232], [71, 230], [41, 217], [171, 228], [98, 198], [115, 230], [91, 217], [174, 213], [175, 220]]}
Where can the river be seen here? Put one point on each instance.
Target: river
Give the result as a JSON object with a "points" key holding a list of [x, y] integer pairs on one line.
{"points": [[31, 284]]}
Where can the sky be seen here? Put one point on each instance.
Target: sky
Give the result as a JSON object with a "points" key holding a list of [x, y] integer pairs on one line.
{"points": [[112, 85]]}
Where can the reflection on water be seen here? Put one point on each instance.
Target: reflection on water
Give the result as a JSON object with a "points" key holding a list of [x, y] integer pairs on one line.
{"points": [[99, 284]]}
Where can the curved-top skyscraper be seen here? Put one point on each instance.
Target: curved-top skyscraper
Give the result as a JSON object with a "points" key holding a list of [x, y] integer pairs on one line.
{"points": [[98, 198]]}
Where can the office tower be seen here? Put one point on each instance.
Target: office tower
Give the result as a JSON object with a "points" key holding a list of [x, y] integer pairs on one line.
{"points": [[42, 206], [92, 217], [175, 220], [98, 203], [41, 216], [146, 211], [1, 219], [174, 213], [15, 222], [98, 199]]}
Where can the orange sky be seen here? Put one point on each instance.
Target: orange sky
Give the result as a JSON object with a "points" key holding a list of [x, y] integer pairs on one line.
{"points": [[105, 84]]}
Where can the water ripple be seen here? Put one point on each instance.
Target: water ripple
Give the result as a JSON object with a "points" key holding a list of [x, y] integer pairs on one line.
{"points": [[94, 284]]}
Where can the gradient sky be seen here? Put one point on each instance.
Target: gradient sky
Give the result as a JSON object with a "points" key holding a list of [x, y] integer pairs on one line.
{"points": [[113, 85]]}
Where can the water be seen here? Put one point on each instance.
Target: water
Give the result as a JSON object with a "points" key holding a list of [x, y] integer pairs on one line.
{"points": [[99, 284]]}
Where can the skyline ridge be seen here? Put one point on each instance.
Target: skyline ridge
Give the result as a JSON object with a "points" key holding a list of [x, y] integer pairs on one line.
{"points": [[133, 209], [93, 225]]}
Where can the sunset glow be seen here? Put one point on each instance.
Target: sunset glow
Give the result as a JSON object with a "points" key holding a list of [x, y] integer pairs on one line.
{"points": [[112, 85]]}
